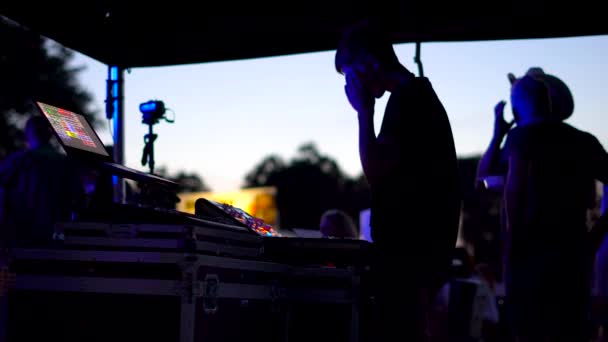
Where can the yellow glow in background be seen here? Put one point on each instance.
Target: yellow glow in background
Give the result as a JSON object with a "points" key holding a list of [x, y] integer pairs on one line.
{"points": [[258, 202]]}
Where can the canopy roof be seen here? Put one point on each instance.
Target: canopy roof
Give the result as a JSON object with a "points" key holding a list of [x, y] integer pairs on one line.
{"points": [[180, 32]]}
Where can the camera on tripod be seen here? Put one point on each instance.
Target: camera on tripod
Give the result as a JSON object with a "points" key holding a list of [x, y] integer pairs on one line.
{"points": [[152, 111]]}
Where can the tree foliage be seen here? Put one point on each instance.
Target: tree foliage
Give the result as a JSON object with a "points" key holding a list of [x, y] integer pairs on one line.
{"points": [[35, 68]]}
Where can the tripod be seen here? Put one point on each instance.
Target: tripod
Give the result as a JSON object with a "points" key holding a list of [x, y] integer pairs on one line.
{"points": [[148, 155]]}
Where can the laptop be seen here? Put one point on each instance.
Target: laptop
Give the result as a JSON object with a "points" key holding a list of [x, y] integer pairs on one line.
{"points": [[81, 142]]}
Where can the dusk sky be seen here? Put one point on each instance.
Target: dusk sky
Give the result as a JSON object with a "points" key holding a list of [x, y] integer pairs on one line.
{"points": [[230, 115]]}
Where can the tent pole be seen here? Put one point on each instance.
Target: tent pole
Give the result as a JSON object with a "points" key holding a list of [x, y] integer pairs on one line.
{"points": [[115, 111], [418, 60]]}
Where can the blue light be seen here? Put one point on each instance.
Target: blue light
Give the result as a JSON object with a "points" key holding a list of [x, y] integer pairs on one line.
{"points": [[114, 77], [148, 107], [115, 103], [114, 73]]}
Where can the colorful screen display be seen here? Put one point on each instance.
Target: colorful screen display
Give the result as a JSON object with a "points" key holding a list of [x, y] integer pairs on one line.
{"points": [[73, 129]]}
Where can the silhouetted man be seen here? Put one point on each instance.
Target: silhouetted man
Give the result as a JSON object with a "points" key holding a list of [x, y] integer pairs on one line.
{"points": [[39, 188], [411, 168], [552, 168]]}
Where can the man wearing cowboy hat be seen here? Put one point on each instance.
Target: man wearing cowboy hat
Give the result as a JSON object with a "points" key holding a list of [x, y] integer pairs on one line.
{"points": [[550, 170]]}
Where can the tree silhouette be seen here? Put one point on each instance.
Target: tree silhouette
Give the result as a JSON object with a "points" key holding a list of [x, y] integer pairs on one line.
{"points": [[265, 172], [188, 181], [34, 68], [308, 185]]}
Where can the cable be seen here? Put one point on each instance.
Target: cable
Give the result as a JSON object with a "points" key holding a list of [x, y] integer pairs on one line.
{"points": [[170, 120], [418, 60]]}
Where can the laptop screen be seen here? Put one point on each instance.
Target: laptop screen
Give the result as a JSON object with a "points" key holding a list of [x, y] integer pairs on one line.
{"points": [[73, 129]]}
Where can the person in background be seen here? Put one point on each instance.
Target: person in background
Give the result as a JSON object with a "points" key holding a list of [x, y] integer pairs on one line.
{"points": [[494, 160], [550, 185], [337, 224], [467, 303], [39, 188]]}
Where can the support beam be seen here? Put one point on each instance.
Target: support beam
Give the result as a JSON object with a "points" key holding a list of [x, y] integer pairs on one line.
{"points": [[115, 111]]}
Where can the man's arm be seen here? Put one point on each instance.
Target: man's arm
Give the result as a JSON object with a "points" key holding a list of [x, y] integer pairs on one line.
{"points": [[489, 165], [600, 170], [9, 166], [600, 161], [378, 155]]}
